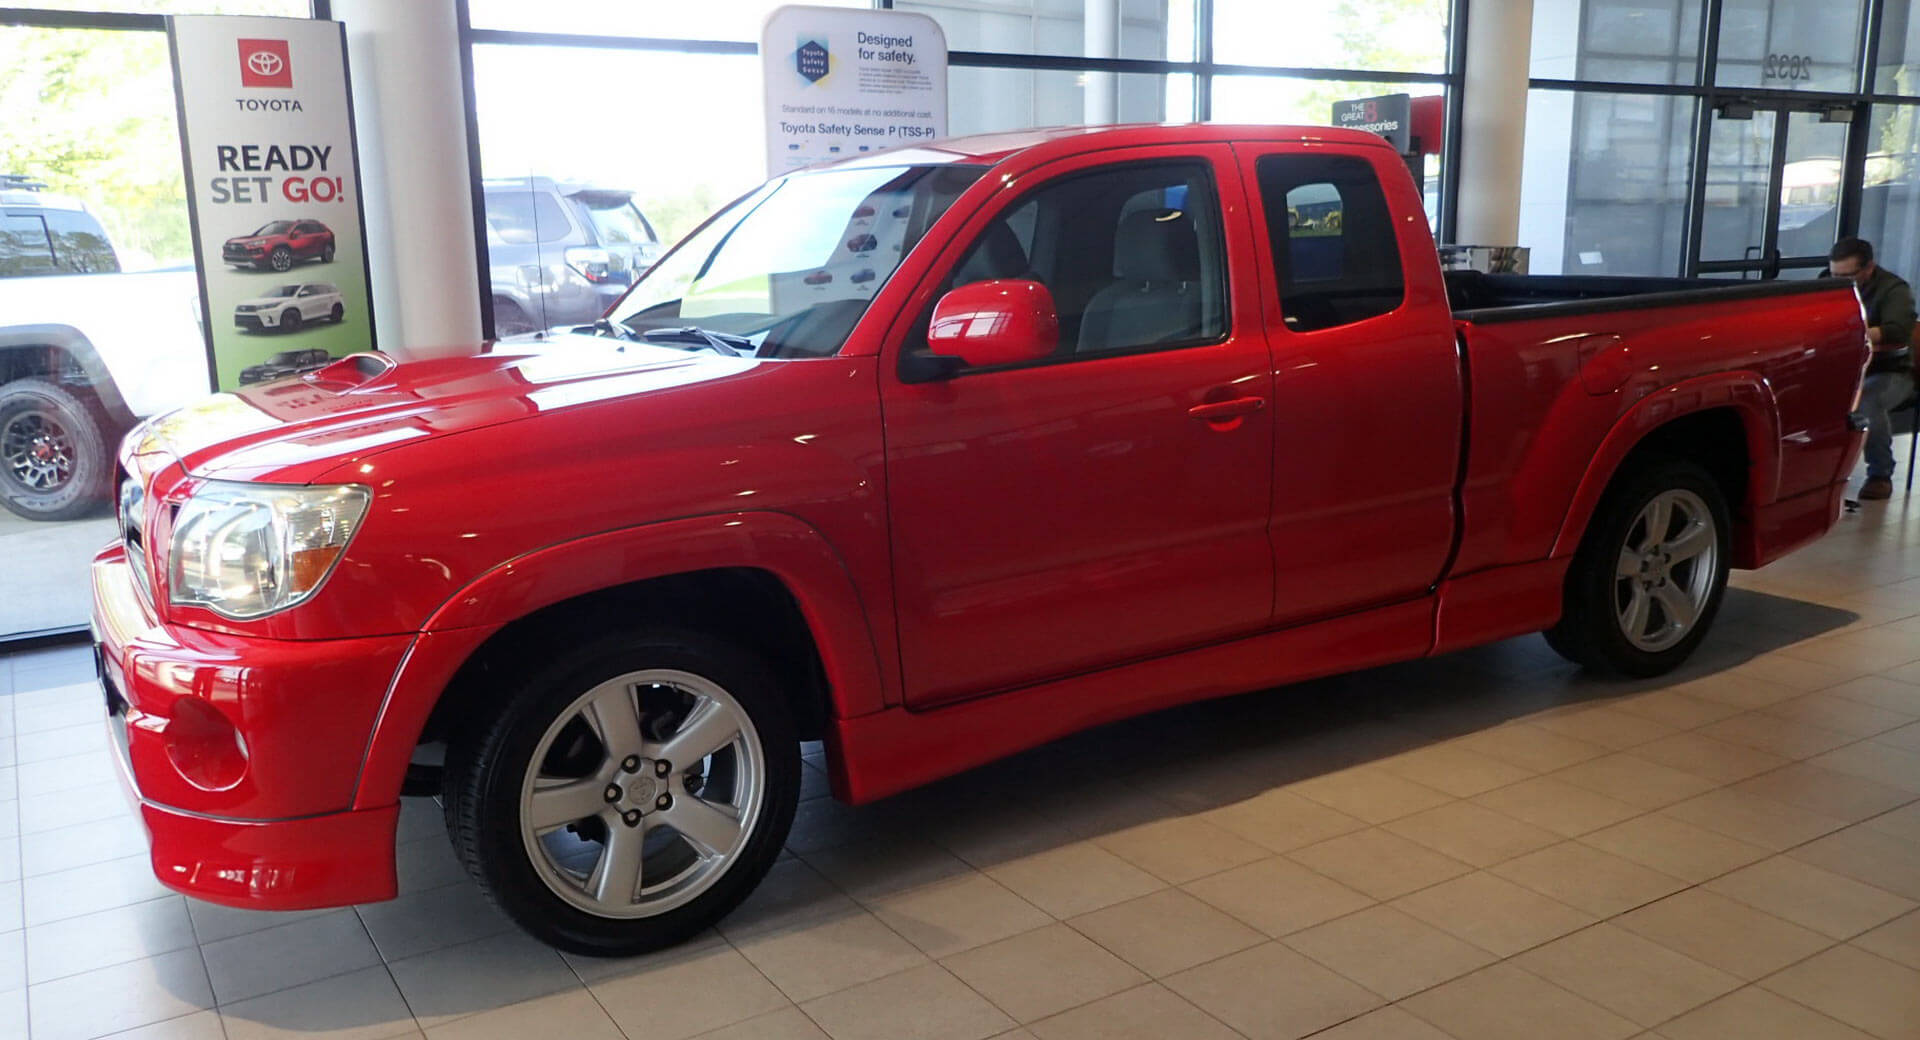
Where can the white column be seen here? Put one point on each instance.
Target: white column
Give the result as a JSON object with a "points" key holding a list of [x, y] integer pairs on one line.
{"points": [[1101, 20], [411, 120], [1493, 123]]}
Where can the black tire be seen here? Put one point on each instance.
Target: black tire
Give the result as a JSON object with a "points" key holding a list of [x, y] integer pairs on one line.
{"points": [[41, 423], [1590, 632], [326, 254], [281, 259], [488, 758], [510, 320], [290, 320], [337, 314]]}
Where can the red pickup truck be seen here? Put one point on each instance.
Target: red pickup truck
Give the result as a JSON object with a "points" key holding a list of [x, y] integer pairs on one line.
{"points": [[1110, 431]]}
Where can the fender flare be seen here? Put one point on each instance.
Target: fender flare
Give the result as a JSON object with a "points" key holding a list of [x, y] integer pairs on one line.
{"points": [[77, 346], [791, 550], [1748, 393]]}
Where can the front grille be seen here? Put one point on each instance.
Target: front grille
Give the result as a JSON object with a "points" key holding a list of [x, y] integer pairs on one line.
{"points": [[133, 522]]}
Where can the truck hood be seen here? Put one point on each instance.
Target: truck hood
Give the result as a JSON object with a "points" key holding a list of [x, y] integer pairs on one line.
{"points": [[294, 430]]}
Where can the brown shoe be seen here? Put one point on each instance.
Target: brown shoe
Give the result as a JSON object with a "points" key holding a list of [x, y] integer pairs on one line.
{"points": [[1876, 489]]}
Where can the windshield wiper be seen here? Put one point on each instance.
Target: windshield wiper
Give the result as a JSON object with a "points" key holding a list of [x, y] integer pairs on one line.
{"points": [[720, 342]]}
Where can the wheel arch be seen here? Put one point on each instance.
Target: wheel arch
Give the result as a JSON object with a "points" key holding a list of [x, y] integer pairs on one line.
{"points": [[723, 573], [63, 354], [1728, 423]]}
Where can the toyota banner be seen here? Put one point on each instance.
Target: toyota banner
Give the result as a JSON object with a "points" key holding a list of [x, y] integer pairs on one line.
{"points": [[273, 191]]}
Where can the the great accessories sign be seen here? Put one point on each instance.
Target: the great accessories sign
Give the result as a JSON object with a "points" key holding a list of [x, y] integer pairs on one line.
{"points": [[840, 82], [273, 190], [1389, 116]]}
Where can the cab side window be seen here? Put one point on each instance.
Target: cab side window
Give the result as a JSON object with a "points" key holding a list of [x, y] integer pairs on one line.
{"points": [[1334, 248], [1132, 255]]}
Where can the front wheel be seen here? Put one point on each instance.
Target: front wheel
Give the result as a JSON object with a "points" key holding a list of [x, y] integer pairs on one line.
{"points": [[281, 259], [290, 320], [627, 795], [1649, 576], [55, 459]]}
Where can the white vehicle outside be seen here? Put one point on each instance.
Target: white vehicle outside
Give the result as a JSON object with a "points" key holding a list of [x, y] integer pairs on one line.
{"points": [[74, 374], [289, 306]]}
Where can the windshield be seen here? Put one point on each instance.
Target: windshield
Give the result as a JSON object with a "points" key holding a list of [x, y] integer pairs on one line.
{"points": [[793, 266], [278, 227], [282, 291]]}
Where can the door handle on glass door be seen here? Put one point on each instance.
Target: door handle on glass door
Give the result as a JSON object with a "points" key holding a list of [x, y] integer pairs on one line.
{"points": [[1227, 411]]}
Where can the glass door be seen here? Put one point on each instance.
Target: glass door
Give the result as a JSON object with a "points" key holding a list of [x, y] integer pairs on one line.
{"points": [[1770, 203]]}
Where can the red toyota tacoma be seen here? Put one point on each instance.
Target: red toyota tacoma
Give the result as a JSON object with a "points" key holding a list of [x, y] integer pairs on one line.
{"points": [[1108, 433]]}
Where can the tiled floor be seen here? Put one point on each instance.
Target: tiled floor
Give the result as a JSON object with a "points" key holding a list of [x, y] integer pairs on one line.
{"points": [[1487, 845]]}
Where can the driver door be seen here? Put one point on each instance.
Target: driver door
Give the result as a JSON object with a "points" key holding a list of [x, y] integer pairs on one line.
{"points": [[1093, 507]]}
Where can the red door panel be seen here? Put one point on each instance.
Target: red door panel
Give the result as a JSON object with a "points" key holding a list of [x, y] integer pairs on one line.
{"points": [[1061, 517], [1367, 406]]}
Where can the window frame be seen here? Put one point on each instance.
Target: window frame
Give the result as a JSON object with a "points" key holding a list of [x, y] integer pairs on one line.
{"points": [[912, 347]]}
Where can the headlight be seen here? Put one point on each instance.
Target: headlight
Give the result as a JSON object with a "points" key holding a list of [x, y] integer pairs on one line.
{"points": [[248, 550]]}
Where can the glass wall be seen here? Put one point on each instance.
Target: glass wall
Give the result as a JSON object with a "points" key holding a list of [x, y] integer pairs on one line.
{"points": [[552, 82], [99, 315], [1641, 161], [1604, 186]]}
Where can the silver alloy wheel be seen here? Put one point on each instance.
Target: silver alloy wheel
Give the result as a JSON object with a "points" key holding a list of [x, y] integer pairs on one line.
{"points": [[37, 451], [642, 793], [1666, 570]]}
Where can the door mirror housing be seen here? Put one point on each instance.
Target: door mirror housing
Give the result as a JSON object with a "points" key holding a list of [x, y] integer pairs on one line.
{"points": [[998, 322]]}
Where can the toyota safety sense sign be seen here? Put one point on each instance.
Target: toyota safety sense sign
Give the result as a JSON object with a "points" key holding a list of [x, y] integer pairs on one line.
{"points": [[273, 190], [841, 82]]}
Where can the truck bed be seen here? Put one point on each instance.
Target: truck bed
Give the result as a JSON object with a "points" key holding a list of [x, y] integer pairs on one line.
{"points": [[1486, 298]]}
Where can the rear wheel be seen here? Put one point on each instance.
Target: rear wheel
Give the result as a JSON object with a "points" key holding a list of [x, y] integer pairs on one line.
{"points": [[336, 314], [326, 253], [510, 320], [54, 461], [627, 795], [1649, 576]]}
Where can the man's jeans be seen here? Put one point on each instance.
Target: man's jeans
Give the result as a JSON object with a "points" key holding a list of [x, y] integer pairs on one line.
{"points": [[1882, 391]]}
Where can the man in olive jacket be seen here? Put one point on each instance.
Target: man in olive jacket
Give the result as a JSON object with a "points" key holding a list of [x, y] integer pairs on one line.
{"points": [[1890, 318]]}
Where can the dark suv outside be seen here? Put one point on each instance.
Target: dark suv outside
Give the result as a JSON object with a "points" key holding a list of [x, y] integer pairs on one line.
{"points": [[561, 252]]}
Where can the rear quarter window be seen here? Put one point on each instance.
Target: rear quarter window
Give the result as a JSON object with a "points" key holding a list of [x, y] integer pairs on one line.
{"points": [[525, 217], [1335, 253]]}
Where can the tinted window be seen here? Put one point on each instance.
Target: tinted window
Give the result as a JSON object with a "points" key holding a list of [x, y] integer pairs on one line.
{"points": [[1132, 256], [619, 225], [526, 216], [1334, 248], [79, 245], [24, 247]]}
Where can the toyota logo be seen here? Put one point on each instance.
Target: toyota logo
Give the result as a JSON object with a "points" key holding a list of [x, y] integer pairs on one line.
{"points": [[265, 63]]}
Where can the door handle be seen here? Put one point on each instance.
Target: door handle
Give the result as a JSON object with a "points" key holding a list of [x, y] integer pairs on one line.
{"points": [[1227, 411]]}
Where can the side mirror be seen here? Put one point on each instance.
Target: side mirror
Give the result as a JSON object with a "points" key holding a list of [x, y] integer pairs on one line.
{"points": [[997, 322]]}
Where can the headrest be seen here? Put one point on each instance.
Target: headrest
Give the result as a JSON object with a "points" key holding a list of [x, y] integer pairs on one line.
{"points": [[1157, 245], [996, 255]]}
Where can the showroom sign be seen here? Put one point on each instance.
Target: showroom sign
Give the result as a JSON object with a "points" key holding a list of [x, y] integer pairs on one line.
{"points": [[273, 193], [1390, 116], [841, 81]]}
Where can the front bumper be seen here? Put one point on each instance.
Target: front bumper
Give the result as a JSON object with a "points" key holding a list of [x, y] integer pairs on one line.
{"points": [[244, 754], [253, 319]]}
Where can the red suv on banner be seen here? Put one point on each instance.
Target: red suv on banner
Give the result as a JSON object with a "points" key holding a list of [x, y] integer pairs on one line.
{"points": [[264, 63]]}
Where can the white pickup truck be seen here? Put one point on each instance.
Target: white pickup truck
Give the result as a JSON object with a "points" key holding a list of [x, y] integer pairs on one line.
{"points": [[85, 351]]}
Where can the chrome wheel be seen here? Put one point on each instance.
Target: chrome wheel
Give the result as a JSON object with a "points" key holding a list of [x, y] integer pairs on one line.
{"points": [[642, 793], [37, 451], [1665, 572]]}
